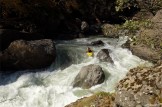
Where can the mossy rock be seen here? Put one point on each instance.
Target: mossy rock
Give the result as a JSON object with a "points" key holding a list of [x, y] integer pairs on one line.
{"points": [[100, 99]]}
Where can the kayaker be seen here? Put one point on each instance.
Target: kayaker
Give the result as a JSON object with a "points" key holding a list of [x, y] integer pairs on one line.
{"points": [[89, 52]]}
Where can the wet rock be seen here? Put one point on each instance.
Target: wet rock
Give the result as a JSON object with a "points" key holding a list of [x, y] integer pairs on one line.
{"points": [[103, 55], [97, 43], [21, 55], [141, 86], [89, 76], [126, 44]]}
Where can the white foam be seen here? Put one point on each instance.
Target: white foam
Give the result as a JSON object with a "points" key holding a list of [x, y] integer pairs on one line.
{"points": [[54, 89]]}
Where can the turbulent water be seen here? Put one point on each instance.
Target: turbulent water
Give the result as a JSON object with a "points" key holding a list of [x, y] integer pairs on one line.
{"points": [[53, 87]]}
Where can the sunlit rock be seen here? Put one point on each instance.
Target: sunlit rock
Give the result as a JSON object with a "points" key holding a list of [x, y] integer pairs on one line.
{"points": [[141, 86], [89, 76]]}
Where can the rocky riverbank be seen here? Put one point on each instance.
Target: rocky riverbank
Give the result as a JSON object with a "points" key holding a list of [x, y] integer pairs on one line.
{"points": [[68, 19], [142, 85], [27, 31], [148, 43]]}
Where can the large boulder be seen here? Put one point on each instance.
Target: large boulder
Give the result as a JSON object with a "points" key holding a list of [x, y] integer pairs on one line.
{"points": [[110, 31], [21, 55], [148, 44], [103, 55], [141, 87], [89, 76], [145, 52], [7, 36]]}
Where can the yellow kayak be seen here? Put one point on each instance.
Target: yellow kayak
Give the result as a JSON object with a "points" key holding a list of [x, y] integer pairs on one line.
{"points": [[90, 54]]}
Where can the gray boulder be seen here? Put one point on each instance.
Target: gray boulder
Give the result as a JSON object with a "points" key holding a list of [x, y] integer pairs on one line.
{"points": [[103, 55], [89, 76], [21, 55]]}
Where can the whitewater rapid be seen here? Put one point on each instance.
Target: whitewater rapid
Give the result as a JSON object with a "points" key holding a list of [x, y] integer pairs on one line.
{"points": [[52, 87]]}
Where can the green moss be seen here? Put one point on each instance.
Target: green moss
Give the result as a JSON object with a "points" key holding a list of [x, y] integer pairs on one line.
{"points": [[100, 97]]}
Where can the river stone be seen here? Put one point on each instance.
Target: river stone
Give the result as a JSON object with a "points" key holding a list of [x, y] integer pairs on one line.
{"points": [[103, 55], [97, 43], [21, 55], [89, 76]]}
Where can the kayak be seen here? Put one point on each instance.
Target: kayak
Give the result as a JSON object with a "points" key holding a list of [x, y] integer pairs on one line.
{"points": [[90, 54]]}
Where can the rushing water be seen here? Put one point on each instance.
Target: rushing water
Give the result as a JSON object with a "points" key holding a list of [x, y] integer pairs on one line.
{"points": [[53, 86]]}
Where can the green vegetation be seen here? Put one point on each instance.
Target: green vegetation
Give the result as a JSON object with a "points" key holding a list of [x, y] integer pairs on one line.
{"points": [[150, 5], [136, 25], [132, 26]]}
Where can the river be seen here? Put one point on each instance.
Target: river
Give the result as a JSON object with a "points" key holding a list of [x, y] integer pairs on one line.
{"points": [[52, 87]]}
